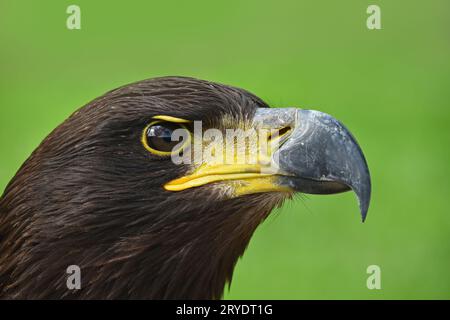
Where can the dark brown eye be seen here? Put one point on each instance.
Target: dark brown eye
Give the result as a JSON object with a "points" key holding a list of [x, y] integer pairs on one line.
{"points": [[164, 138]]}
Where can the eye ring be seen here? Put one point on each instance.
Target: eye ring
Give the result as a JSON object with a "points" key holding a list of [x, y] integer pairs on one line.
{"points": [[153, 150]]}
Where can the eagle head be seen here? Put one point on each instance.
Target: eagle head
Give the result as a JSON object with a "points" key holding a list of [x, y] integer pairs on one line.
{"points": [[140, 189]]}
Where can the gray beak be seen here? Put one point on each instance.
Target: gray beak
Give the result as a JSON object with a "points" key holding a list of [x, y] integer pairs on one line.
{"points": [[320, 156]]}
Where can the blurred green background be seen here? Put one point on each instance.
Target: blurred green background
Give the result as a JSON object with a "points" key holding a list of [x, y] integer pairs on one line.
{"points": [[391, 87]]}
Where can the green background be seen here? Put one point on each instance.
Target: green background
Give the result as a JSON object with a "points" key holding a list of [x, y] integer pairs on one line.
{"points": [[389, 86]]}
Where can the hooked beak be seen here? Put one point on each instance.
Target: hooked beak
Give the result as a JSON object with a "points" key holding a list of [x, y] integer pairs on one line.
{"points": [[322, 157]]}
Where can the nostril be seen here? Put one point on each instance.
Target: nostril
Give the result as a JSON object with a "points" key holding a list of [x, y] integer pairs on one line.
{"points": [[284, 131], [278, 133]]}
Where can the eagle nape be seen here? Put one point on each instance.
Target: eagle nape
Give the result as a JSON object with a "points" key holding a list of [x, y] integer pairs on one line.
{"points": [[111, 191]]}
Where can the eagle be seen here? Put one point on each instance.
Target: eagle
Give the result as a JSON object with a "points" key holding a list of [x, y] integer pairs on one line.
{"points": [[103, 192]]}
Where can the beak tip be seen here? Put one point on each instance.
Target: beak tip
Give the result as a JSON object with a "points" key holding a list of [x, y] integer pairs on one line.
{"points": [[364, 205], [363, 216]]}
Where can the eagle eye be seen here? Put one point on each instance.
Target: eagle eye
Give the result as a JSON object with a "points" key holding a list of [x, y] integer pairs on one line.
{"points": [[165, 138]]}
